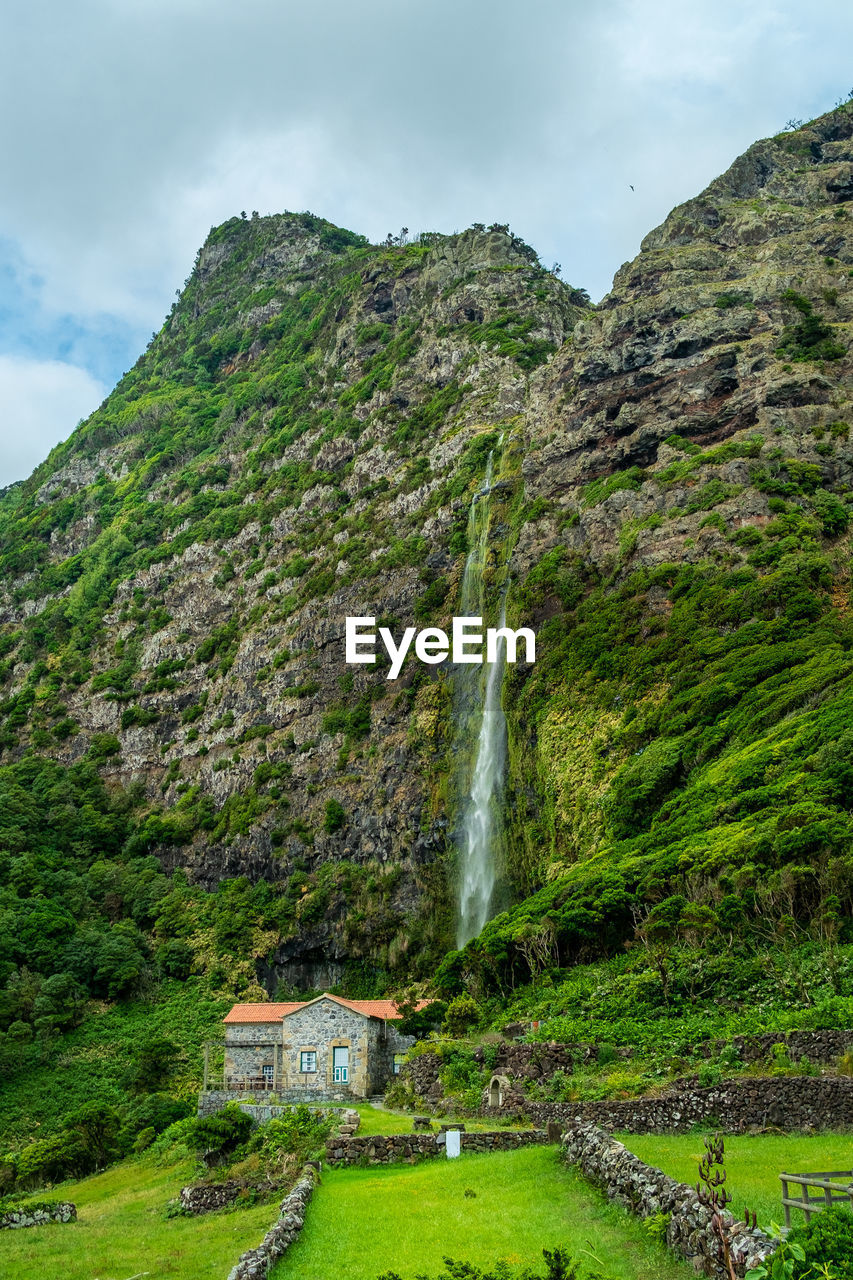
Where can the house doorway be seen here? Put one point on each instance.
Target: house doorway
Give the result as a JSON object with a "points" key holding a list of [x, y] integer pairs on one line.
{"points": [[498, 1088], [340, 1064]]}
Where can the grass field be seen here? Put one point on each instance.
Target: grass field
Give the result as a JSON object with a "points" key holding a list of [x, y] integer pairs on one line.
{"points": [[121, 1231], [753, 1163], [406, 1218], [377, 1120]]}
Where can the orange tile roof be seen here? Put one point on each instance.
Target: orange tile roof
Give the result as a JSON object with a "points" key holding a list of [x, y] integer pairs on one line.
{"points": [[274, 1012], [259, 1012]]}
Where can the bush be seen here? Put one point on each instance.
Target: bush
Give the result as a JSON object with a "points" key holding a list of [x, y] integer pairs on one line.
{"points": [[155, 1064], [462, 1013], [559, 1265], [336, 816], [811, 338], [49, 1160], [828, 1238], [291, 1138], [221, 1133], [157, 1112], [144, 1139]]}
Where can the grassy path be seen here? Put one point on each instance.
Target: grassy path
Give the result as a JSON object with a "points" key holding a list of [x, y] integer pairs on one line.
{"points": [[406, 1218], [121, 1231], [753, 1162]]}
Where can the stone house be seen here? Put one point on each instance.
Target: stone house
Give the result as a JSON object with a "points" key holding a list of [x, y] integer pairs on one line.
{"points": [[327, 1049]]}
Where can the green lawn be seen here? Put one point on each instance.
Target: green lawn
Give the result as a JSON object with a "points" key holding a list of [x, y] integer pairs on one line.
{"points": [[376, 1120], [754, 1163], [121, 1231], [406, 1218]]}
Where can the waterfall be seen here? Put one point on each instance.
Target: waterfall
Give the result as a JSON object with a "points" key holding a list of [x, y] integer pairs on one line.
{"points": [[481, 723], [479, 835]]}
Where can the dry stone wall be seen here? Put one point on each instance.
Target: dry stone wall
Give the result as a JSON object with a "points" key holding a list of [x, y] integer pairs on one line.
{"points": [[802, 1103], [539, 1060], [646, 1191], [206, 1197], [410, 1147], [257, 1263], [36, 1215]]}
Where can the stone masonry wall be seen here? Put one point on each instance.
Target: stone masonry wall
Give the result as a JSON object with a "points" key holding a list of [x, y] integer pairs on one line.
{"points": [[207, 1197], [538, 1061], [324, 1025], [257, 1263], [249, 1047], [411, 1147], [36, 1215], [786, 1102], [646, 1191]]}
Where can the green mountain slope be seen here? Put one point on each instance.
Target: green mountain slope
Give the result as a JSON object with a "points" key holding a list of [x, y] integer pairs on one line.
{"points": [[300, 443]]}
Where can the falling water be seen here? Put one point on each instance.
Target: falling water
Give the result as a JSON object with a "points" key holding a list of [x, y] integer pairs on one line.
{"points": [[479, 871], [479, 714]]}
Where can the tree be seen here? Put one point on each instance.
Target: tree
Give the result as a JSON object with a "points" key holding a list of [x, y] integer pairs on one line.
{"points": [[155, 1064]]}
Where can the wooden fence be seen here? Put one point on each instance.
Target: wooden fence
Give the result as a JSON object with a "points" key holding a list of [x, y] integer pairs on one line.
{"points": [[833, 1187]]}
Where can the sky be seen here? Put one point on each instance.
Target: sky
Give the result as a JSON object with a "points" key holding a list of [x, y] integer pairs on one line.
{"points": [[129, 127]]}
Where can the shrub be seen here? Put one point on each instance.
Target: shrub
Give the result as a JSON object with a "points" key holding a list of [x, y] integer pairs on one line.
{"points": [[155, 1063], [811, 338], [144, 1139], [294, 1136], [335, 816], [461, 1014], [220, 1133], [827, 1238]]}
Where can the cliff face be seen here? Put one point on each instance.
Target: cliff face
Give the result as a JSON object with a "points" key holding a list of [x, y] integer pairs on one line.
{"points": [[297, 445], [689, 460], [300, 443]]}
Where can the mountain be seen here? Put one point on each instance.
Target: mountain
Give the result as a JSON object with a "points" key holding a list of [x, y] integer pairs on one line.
{"points": [[668, 508]]}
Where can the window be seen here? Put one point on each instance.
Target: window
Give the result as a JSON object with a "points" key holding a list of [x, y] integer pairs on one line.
{"points": [[399, 1059], [340, 1063], [308, 1060], [267, 1071]]}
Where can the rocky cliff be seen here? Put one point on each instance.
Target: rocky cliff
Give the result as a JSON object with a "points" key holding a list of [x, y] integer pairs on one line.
{"points": [[301, 442]]}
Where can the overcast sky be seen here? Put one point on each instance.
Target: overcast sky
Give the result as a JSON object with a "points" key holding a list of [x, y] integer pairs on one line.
{"points": [[129, 127]]}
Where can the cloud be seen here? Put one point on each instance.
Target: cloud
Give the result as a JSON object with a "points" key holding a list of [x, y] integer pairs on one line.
{"points": [[40, 401], [129, 127]]}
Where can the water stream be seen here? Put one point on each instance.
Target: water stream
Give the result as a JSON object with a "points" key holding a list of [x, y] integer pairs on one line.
{"points": [[480, 722]]}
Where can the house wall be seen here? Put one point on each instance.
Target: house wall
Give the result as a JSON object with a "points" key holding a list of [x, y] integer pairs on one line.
{"points": [[249, 1047], [321, 1027], [318, 1028]]}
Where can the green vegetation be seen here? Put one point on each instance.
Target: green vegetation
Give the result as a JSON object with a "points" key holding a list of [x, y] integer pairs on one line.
{"points": [[707, 765], [363, 1222], [810, 338], [753, 1164], [667, 998], [122, 1228], [827, 1244]]}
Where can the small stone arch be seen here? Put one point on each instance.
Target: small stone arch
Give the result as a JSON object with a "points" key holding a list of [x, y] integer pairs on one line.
{"points": [[498, 1088]]}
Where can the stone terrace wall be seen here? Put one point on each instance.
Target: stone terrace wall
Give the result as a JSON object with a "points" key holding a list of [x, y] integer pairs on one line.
{"points": [[646, 1191], [785, 1102], [215, 1100], [257, 1263], [206, 1197], [538, 1061], [36, 1215], [411, 1147]]}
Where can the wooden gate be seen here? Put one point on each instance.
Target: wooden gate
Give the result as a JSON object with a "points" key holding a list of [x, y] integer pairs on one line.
{"points": [[834, 1187]]}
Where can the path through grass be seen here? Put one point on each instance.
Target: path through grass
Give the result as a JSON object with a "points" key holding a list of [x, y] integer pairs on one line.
{"points": [[406, 1218], [121, 1231], [754, 1163]]}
